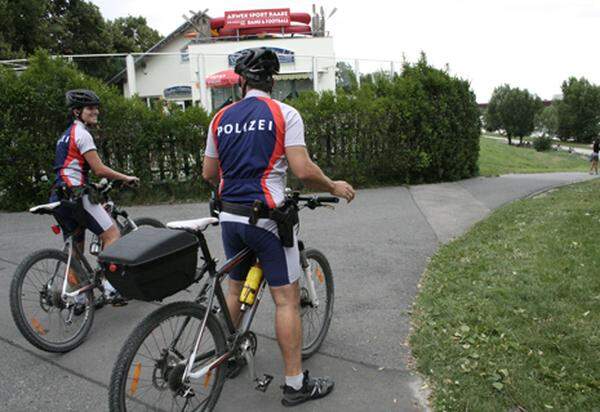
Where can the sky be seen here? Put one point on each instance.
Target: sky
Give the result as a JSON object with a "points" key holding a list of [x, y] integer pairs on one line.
{"points": [[532, 44]]}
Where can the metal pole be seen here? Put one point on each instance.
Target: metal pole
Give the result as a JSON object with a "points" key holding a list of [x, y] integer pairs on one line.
{"points": [[204, 92], [315, 74], [357, 71], [131, 81], [195, 78]]}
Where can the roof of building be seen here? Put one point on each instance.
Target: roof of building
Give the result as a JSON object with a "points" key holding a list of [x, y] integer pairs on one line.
{"points": [[154, 49]]}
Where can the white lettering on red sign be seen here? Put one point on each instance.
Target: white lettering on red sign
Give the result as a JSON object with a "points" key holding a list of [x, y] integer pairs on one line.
{"points": [[257, 18]]}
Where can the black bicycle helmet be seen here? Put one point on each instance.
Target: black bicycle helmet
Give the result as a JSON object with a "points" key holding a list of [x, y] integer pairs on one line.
{"points": [[258, 65], [78, 98]]}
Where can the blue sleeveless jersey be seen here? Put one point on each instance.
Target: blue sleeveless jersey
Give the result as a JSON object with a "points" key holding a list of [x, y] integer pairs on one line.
{"points": [[249, 136]]}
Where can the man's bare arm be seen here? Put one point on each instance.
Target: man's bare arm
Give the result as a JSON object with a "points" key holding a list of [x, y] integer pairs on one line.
{"points": [[210, 170], [313, 177]]}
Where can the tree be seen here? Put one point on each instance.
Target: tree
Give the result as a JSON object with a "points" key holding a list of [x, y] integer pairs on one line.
{"points": [[24, 26], [71, 27], [345, 77], [546, 121], [132, 35], [579, 110], [491, 117], [513, 110]]}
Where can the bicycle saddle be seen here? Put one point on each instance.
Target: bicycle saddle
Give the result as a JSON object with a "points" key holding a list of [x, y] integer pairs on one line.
{"points": [[44, 209], [195, 225]]}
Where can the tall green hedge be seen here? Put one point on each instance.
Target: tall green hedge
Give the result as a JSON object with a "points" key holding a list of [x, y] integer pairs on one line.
{"points": [[421, 126], [164, 150]]}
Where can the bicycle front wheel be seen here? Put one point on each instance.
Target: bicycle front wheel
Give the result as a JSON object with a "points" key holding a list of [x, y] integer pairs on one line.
{"points": [[39, 311], [316, 309], [149, 369]]}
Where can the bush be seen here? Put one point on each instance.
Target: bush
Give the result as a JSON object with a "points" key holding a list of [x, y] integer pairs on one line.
{"points": [[421, 126], [542, 143], [162, 149]]}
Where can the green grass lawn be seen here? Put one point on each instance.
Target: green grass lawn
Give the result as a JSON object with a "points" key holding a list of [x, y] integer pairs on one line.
{"points": [[530, 139], [508, 315], [498, 158]]}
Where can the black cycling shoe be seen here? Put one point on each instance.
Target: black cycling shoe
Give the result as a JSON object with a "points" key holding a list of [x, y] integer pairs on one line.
{"points": [[117, 300], [114, 298], [99, 302], [79, 309], [312, 388], [235, 367]]}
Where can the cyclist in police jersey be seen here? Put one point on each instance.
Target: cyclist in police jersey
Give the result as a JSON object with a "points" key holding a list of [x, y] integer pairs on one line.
{"points": [[249, 146], [76, 155]]}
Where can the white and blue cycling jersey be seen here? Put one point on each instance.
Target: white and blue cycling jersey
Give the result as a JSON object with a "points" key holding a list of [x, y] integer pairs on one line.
{"points": [[249, 140], [70, 166]]}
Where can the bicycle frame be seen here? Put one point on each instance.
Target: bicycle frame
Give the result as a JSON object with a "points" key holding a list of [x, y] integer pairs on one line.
{"points": [[72, 248], [217, 291]]}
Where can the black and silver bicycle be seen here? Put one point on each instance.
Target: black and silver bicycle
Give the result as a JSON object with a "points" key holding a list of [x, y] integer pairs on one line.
{"points": [[176, 358], [52, 291]]}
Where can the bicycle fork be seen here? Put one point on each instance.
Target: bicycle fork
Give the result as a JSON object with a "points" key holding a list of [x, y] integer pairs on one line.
{"points": [[312, 293]]}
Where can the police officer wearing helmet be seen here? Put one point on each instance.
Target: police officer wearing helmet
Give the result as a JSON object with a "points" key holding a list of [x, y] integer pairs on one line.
{"points": [[250, 145], [76, 155]]}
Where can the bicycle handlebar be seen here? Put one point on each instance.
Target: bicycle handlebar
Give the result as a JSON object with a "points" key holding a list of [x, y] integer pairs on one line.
{"points": [[105, 185], [313, 201], [328, 199]]}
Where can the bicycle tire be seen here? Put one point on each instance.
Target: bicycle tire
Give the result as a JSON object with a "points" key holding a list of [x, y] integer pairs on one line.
{"points": [[20, 318], [117, 389], [142, 221], [310, 348]]}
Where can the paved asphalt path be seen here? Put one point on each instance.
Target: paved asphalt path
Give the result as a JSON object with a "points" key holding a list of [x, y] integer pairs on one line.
{"points": [[378, 247]]}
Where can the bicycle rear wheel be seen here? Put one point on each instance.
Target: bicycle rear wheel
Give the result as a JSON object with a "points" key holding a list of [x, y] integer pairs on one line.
{"points": [[38, 310], [316, 315], [149, 368], [141, 221]]}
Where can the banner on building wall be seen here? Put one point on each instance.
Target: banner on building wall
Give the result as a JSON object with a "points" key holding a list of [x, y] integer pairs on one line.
{"points": [[244, 19], [178, 92], [284, 55]]}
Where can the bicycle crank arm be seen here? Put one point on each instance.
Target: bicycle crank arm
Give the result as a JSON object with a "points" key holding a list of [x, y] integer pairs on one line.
{"points": [[262, 383]]}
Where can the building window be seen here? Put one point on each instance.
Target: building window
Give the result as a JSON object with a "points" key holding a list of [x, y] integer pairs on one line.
{"points": [[184, 55], [289, 89]]}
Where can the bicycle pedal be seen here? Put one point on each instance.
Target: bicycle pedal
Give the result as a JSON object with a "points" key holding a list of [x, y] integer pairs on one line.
{"points": [[263, 383]]}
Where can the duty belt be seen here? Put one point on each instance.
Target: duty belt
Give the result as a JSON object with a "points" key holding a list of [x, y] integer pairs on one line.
{"points": [[255, 211]]}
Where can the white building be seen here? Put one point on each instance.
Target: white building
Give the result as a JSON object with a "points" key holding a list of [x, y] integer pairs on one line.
{"points": [[177, 68]]}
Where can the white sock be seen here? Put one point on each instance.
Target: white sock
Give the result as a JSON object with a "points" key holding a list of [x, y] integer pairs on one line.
{"points": [[108, 288], [295, 381], [81, 298]]}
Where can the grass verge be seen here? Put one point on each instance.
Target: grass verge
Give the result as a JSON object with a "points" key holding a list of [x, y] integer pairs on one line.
{"points": [[508, 315], [498, 158]]}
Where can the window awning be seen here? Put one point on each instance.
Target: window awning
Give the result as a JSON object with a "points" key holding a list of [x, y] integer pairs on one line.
{"points": [[225, 78], [293, 76]]}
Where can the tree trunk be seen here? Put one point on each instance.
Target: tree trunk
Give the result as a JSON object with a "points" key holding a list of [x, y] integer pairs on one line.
{"points": [[509, 140]]}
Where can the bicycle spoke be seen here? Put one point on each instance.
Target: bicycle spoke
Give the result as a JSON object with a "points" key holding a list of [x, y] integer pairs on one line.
{"points": [[151, 367]]}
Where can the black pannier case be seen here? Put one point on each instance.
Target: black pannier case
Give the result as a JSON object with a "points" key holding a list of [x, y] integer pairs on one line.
{"points": [[151, 264]]}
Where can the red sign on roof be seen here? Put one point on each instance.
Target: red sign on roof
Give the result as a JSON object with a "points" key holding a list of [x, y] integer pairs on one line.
{"points": [[244, 19]]}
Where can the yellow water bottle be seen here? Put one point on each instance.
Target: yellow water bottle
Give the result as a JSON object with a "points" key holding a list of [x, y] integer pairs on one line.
{"points": [[251, 285]]}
